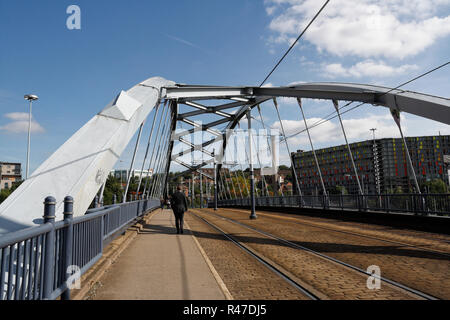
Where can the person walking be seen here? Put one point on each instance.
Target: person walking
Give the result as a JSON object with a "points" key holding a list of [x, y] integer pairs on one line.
{"points": [[179, 206]]}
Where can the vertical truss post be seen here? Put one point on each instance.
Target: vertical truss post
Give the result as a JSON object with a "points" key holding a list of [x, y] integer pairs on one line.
{"points": [[396, 115], [289, 152], [215, 181], [252, 173], [193, 191], [336, 106], [132, 162], [201, 191], [314, 152]]}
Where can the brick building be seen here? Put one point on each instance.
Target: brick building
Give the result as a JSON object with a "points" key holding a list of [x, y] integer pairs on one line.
{"points": [[9, 173], [381, 164]]}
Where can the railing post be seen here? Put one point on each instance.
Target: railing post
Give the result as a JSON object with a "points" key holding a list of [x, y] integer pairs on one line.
{"points": [[68, 242], [96, 202], [49, 260], [386, 198]]}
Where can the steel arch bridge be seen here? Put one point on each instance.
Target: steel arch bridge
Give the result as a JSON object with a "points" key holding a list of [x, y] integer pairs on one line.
{"points": [[81, 165]]}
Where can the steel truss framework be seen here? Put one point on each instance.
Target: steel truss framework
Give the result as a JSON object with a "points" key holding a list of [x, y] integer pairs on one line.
{"points": [[81, 165], [246, 98]]}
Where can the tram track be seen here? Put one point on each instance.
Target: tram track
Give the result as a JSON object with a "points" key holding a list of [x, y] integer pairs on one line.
{"points": [[364, 272], [275, 269], [405, 244], [331, 265]]}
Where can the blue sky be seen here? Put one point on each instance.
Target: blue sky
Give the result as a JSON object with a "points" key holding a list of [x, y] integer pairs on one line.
{"points": [[76, 73]]}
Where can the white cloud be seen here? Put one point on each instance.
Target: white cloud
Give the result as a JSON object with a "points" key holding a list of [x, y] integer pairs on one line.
{"points": [[17, 116], [367, 68], [330, 133], [364, 28], [270, 10], [20, 124]]}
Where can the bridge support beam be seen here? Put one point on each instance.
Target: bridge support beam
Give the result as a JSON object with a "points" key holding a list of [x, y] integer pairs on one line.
{"points": [[252, 173], [299, 100], [336, 106], [215, 181]]}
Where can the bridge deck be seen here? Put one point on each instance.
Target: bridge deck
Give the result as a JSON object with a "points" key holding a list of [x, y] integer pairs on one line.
{"points": [[160, 265], [277, 256]]}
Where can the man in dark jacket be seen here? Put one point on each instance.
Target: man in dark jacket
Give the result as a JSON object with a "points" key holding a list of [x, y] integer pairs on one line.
{"points": [[179, 206]]}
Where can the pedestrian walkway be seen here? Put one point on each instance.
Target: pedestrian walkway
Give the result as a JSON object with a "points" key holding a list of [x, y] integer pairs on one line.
{"points": [[160, 265]]}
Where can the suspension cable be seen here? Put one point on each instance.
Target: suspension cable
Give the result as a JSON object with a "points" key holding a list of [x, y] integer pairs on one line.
{"points": [[148, 147], [147, 181], [295, 42], [132, 162], [158, 155], [154, 160], [319, 122], [165, 151]]}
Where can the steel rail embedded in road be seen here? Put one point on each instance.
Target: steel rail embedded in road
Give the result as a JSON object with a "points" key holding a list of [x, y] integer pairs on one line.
{"points": [[296, 246], [359, 235], [263, 261]]}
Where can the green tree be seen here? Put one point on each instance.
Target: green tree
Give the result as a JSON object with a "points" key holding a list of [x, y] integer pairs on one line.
{"points": [[434, 186], [338, 190], [5, 193]]}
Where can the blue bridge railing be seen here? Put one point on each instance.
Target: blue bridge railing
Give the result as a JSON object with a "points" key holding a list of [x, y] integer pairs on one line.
{"points": [[424, 204], [44, 262]]}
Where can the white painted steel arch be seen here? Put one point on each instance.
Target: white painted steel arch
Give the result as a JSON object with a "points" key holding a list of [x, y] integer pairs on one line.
{"points": [[82, 164]]}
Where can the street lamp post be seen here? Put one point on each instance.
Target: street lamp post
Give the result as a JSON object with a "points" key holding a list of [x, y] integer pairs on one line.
{"points": [[30, 98]]}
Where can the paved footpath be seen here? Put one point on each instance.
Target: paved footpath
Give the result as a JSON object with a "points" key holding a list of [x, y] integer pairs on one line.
{"points": [[160, 265]]}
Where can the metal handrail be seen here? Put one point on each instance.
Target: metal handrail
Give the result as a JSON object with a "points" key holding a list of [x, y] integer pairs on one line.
{"points": [[424, 204], [34, 262]]}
